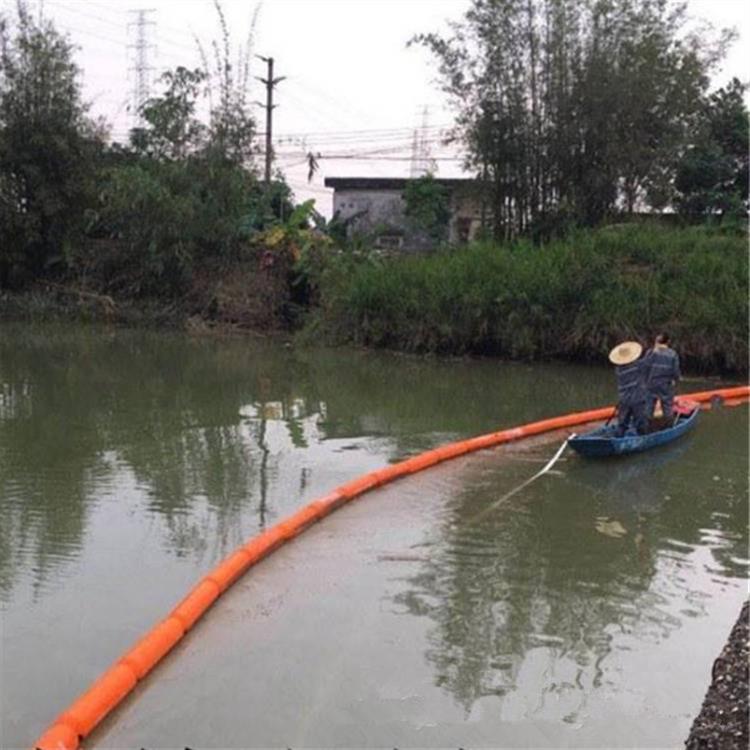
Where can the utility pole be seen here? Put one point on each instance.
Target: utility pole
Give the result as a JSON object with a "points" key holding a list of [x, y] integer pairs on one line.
{"points": [[141, 68], [269, 106]]}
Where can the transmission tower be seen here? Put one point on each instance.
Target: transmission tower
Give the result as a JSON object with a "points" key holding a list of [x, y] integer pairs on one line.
{"points": [[422, 162], [141, 69]]}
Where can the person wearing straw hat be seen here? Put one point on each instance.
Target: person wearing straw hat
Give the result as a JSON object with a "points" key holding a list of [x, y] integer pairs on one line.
{"points": [[630, 369]]}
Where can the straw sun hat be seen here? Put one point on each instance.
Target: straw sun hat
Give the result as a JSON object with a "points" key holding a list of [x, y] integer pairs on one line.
{"points": [[625, 353]]}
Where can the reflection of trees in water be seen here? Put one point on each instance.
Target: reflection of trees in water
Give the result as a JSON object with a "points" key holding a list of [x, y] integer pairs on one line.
{"points": [[413, 399], [42, 428], [165, 407], [536, 574]]}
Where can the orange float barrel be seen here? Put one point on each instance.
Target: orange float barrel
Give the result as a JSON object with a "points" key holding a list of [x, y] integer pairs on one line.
{"points": [[192, 607], [158, 642], [734, 401], [333, 501], [100, 699], [58, 737], [263, 544], [358, 486], [228, 571], [740, 391]]}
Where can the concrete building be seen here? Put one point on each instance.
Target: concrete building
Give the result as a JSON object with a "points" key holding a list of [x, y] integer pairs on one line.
{"points": [[375, 208]]}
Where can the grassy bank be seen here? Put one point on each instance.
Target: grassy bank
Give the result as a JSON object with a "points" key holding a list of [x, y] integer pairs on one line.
{"points": [[234, 295], [572, 298], [43, 303]]}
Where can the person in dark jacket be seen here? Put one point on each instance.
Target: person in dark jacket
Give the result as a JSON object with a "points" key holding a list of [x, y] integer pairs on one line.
{"points": [[663, 374], [631, 372]]}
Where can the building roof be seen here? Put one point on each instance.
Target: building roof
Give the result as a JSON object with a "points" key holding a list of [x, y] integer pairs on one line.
{"points": [[388, 183]]}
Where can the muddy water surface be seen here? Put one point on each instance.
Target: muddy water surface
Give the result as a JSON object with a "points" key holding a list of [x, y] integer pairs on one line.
{"points": [[589, 607]]}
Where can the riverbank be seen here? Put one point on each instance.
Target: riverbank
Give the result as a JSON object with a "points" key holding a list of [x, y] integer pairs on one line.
{"points": [[570, 299], [47, 304], [224, 298], [722, 723]]}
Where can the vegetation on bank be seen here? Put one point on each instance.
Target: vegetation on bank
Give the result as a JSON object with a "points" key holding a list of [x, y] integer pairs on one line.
{"points": [[571, 298], [176, 216], [571, 115], [569, 111]]}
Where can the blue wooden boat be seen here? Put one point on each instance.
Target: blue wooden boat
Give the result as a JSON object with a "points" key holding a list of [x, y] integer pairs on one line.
{"points": [[603, 442]]}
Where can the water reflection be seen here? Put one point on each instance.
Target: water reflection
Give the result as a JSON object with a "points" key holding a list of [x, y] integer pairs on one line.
{"points": [[130, 461], [528, 606], [213, 439], [166, 414]]}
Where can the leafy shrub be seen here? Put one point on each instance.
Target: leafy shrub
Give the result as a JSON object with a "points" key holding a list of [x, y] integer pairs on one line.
{"points": [[570, 298]]}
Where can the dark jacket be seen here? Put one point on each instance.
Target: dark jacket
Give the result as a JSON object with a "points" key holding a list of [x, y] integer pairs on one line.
{"points": [[663, 368], [631, 382]]}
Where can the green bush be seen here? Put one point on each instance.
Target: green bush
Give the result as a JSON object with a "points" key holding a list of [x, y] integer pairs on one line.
{"points": [[571, 298]]}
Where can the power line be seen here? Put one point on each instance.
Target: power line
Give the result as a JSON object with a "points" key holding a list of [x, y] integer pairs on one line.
{"points": [[402, 129], [56, 4], [73, 31], [121, 12], [323, 141], [336, 101], [93, 16], [368, 152], [312, 110], [432, 135], [341, 157]]}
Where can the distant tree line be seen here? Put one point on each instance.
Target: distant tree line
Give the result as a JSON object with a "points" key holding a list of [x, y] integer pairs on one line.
{"points": [[571, 110], [178, 193]]}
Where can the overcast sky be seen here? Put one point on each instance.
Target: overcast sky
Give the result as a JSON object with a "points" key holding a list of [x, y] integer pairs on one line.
{"points": [[352, 86]]}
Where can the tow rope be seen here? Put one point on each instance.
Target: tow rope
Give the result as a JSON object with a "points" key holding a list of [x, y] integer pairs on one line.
{"points": [[525, 483]]}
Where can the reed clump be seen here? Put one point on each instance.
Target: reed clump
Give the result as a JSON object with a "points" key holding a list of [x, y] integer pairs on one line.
{"points": [[572, 298]]}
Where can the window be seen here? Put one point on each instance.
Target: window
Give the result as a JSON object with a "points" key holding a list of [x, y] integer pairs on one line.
{"points": [[389, 241]]}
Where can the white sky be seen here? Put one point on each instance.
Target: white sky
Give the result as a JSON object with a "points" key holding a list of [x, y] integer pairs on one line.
{"points": [[348, 70]]}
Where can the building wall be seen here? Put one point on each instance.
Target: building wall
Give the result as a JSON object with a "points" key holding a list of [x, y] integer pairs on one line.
{"points": [[380, 212]]}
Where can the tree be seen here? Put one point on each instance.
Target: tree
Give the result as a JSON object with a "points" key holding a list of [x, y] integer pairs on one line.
{"points": [[712, 175], [176, 199], [232, 127], [427, 206], [188, 193], [171, 129], [572, 107], [47, 148], [185, 194]]}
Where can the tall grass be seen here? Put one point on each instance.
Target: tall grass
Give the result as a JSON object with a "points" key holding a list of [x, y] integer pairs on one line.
{"points": [[572, 298]]}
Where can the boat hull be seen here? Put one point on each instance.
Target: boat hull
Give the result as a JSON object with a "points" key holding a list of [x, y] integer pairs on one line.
{"points": [[602, 442]]}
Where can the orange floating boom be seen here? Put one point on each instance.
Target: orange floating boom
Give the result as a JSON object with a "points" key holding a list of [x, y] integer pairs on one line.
{"points": [[77, 722]]}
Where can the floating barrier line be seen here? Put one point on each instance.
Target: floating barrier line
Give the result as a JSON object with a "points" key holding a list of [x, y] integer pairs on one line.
{"points": [[82, 716]]}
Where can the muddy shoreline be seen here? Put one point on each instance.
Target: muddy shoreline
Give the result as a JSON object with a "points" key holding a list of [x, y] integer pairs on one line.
{"points": [[722, 723]]}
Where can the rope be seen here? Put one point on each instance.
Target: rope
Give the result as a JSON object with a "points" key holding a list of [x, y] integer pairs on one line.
{"points": [[482, 514]]}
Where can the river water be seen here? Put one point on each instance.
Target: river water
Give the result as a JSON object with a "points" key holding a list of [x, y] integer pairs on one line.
{"points": [[586, 607]]}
